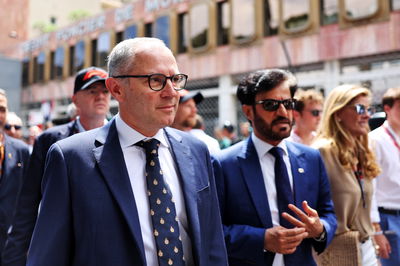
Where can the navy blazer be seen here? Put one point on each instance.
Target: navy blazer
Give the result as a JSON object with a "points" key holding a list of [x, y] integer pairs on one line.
{"points": [[16, 157], [14, 253], [88, 214], [244, 203]]}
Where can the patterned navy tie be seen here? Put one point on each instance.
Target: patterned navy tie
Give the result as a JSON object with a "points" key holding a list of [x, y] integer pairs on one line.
{"points": [[162, 209], [283, 191]]}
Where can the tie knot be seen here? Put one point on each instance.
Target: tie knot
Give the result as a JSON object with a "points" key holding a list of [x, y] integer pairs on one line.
{"points": [[150, 146], [277, 152]]}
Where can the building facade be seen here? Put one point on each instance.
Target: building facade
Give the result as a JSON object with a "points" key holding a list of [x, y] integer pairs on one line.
{"points": [[324, 42]]}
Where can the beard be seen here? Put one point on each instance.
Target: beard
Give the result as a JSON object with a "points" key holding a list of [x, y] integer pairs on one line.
{"points": [[189, 122], [267, 129]]}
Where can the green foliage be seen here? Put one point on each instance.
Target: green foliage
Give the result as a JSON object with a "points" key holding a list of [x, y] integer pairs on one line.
{"points": [[44, 27], [78, 15]]}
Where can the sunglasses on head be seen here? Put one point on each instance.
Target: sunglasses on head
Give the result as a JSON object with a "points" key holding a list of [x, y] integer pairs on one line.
{"points": [[315, 112], [273, 105], [8, 127], [362, 109]]}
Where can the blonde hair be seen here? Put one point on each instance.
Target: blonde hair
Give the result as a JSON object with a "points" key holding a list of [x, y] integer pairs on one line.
{"points": [[351, 150], [307, 96]]}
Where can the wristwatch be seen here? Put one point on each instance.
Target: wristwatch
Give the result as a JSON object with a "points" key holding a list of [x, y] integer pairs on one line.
{"points": [[321, 237]]}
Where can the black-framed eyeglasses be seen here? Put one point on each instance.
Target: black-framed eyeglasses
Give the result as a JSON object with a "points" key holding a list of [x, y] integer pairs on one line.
{"points": [[273, 105], [157, 81], [362, 109], [8, 127], [315, 112]]}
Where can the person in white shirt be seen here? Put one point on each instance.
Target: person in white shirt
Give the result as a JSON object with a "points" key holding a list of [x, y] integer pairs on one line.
{"points": [[307, 116], [186, 118], [385, 213]]}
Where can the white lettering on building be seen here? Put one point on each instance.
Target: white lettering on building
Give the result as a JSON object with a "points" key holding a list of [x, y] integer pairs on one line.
{"points": [[81, 28], [154, 5], [123, 14]]}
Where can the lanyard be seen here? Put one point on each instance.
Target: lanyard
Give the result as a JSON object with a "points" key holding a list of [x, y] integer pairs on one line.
{"points": [[360, 180], [396, 144]]}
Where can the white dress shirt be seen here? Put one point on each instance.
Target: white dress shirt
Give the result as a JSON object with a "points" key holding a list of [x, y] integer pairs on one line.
{"points": [[212, 144], [267, 162], [80, 126], [387, 184], [135, 161]]}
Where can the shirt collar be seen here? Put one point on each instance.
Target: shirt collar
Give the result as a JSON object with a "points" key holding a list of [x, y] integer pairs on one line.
{"points": [[263, 147], [386, 124], [129, 136], [81, 128]]}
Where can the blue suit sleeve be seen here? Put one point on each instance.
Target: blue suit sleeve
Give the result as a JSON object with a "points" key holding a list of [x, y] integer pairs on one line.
{"points": [[14, 253], [53, 237], [218, 255], [243, 242]]}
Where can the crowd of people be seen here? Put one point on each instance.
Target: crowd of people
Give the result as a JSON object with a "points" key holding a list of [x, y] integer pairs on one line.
{"points": [[306, 184]]}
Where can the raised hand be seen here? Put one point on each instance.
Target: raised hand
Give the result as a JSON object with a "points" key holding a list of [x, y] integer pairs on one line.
{"points": [[309, 219]]}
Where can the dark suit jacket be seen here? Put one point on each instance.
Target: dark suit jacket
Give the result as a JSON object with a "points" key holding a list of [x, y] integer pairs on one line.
{"points": [[89, 216], [16, 157], [15, 251], [244, 203]]}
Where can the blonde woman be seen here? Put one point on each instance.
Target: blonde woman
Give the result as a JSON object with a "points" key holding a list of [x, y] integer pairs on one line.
{"points": [[343, 142]]}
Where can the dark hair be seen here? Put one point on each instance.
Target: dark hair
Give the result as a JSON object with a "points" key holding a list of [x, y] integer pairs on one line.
{"points": [[390, 96], [263, 80]]}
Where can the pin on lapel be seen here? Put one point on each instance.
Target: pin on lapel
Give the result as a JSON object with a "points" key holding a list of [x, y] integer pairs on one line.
{"points": [[9, 155], [19, 164], [301, 170]]}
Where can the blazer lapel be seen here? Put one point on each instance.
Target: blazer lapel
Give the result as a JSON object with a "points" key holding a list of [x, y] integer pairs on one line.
{"points": [[251, 169], [298, 165], [184, 161], [111, 163]]}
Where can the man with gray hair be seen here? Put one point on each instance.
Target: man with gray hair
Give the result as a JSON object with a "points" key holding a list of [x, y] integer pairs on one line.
{"points": [[133, 192]]}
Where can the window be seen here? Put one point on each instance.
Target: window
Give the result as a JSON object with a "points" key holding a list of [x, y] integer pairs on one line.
{"points": [[244, 22], [39, 67], [183, 32], [148, 30], [162, 29], [25, 72], [71, 60], [271, 13], [329, 12], [130, 32], [395, 4], [199, 27], [358, 9], [57, 63], [94, 52], [296, 14], [103, 47], [79, 55], [223, 23], [119, 37]]}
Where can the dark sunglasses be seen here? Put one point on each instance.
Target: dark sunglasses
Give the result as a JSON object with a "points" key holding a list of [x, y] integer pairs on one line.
{"points": [[315, 112], [273, 105], [362, 109], [8, 127]]}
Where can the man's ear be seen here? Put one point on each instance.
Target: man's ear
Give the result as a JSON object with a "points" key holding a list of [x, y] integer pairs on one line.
{"points": [[248, 112], [386, 108], [115, 88]]}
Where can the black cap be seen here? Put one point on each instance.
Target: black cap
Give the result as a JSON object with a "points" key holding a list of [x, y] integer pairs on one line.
{"points": [[187, 95], [88, 76]]}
